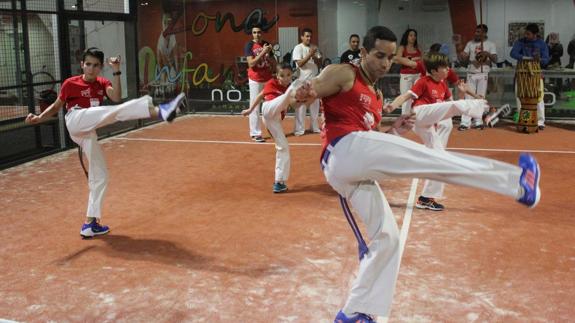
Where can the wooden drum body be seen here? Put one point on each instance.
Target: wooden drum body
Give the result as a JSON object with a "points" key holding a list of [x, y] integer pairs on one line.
{"points": [[528, 78]]}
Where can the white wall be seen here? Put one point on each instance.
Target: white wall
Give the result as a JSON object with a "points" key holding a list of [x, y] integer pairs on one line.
{"points": [[433, 23], [338, 19], [558, 15], [110, 38]]}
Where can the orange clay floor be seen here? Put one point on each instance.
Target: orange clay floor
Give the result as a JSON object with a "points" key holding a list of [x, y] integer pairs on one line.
{"points": [[198, 236]]}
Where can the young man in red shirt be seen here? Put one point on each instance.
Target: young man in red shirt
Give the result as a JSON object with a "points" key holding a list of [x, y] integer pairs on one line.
{"points": [[258, 53], [356, 156], [82, 95], [434, 124]]}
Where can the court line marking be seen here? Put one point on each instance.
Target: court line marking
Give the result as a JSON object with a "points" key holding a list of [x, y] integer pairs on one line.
{"points": [[317, 144], [404, 231]]}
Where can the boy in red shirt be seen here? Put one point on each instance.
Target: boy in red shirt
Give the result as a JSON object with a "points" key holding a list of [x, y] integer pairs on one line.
{"points": [[83, 95], [433, 123], [278, 98]]}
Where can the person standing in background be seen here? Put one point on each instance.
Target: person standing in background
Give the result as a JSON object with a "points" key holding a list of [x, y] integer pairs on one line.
{"points": [[352, 55], [407, 52], [480, 53], [261, 65], [308, 60]]}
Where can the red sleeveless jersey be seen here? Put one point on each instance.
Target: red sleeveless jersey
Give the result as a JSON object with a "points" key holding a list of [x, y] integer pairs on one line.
{"points": [[358, 109]]}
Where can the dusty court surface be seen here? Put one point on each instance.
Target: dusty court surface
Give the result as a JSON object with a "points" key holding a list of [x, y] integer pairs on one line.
{"points": [[198, 236]]}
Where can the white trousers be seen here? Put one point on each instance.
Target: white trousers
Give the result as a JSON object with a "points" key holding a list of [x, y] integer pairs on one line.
{"points": [[433, 125], [255, 89], [271, 116], [540, 106], [361, 159], [300, 111], [406, 82], [477, 83], [82, 125]]}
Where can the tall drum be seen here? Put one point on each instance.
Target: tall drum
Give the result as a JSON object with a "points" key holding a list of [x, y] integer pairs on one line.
{"points": [[529, 91]]}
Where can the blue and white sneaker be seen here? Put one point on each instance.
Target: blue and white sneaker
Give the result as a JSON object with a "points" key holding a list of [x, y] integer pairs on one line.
{"points": [[92, 229], [280, 187], [169, 109], [529, 180], [358, 318]]}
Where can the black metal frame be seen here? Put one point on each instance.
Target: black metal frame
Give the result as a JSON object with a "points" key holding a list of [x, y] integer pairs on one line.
{"points": [[63, 18]]}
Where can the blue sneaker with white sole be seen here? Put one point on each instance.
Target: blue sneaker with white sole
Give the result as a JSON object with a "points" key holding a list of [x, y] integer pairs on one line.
{"points": [[280, 187], [358, 318], [92, 229], [169, 109], [529, 180]]}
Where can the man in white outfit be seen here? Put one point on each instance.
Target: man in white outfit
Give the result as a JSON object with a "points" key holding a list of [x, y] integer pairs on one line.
{"points": [[308, 59], [480, 53], [356, 156], [83, 95]]}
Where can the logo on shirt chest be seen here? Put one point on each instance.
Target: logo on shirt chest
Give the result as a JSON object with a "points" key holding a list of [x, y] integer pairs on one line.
{"points": [[437, 95], [85, 93], [365, 101]]}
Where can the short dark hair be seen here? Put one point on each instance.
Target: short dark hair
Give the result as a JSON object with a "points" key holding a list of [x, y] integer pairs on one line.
{"points": [[433, 61], [305, 30], [377, 32], [353, 35], [259, 26], [403, 41], [285, 66], [435, 48], [532, 28], [482, 27], [94, 52]]}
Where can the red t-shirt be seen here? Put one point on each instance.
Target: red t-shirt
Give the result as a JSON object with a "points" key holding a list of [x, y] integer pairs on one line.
{"points": [[358, 109], [409, 70], [77, 92], [428, 91], [261, 72], [452, 77], [273, 89]]}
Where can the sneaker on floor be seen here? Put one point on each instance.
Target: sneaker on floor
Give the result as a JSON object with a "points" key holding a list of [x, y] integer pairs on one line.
{"points": [[428, 203], [357, 318], [258, 139], [297, 134], [169, 109], [529, 180], [280, 187], [541, 127], [92, 229], [463, 128], [479, 126]]}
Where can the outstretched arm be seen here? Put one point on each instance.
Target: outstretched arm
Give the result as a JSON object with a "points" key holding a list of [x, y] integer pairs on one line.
{"points": [[49, 112], [332, 80], [398, 102], [402, 125], [256, 103]]}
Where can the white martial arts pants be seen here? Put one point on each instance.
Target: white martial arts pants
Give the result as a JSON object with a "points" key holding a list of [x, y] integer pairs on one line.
{"points": [[361, 159], [406, 82], [477, 83], [82, 125], [300, 111], [271, 116], [540, 106], [255, 89], [433, 125]]}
